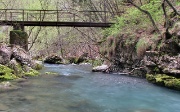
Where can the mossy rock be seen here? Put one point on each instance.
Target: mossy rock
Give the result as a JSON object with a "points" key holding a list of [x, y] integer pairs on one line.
{"points": [[6, 73], [150, 78], [164, 80], [32, 72], [51, 73], [16, 67], [173, 84], [53, 59], [37, 66], [159, 81]]}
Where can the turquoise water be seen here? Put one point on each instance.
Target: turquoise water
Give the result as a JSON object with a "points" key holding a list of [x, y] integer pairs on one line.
{"points": [[77, 89]]}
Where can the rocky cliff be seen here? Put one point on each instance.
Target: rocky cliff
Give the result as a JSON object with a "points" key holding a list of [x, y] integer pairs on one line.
{"points": [[156, 58]]}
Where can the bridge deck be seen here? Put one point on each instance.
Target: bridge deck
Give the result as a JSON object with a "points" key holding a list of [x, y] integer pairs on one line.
{"points": [[52, 23], [66, 18]]}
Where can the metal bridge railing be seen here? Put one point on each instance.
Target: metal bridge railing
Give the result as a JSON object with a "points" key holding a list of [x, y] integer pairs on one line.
{"points": [[54, 15]]}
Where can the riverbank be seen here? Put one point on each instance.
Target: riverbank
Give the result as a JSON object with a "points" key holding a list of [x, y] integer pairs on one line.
{"points": [[142, 51]]}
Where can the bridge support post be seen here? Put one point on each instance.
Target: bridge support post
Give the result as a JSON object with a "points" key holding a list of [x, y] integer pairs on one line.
{"points": [[18, 27], [19, 37]]}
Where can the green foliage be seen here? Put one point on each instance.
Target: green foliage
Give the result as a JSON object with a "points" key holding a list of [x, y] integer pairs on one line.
{"points": [[177, 3], [134, 19], [154, 8], [2, 36]]}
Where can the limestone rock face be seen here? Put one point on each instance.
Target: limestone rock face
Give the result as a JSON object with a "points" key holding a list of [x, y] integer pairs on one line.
{"points": [[162, 64], [5, 54]]}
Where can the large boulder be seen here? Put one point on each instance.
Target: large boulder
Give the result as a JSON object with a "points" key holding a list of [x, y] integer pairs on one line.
{"points": [[5, 54], [15, 62], [53, 59], [78, 59], [101, 68], [21, 55]]}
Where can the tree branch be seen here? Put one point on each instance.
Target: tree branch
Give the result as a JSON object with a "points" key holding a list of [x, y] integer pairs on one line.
{"points": [[148, 14], [174, 9]]}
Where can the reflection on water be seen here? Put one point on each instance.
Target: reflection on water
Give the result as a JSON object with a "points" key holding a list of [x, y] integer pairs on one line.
{"points": [[83, 91]]}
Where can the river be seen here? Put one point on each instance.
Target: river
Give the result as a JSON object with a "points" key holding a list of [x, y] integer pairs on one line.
{"points": [[77, 89]]}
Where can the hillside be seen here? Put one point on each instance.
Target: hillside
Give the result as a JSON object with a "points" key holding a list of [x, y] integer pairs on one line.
{"points": [[146, 46]]}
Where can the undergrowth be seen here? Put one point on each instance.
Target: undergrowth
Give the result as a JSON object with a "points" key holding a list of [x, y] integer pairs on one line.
{"points": [[134, 19]]}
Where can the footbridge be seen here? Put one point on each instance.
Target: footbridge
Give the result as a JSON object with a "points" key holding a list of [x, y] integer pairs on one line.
{"points": [[58, 18], [19, 18]]}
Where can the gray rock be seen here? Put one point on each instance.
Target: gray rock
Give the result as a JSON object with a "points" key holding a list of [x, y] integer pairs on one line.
{"points": [[101, 68], [5, 54], [21, 55]]}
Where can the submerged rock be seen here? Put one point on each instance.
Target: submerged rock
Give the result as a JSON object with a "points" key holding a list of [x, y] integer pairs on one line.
{"points": [[7, 86], [3, 107], [51, 73]]}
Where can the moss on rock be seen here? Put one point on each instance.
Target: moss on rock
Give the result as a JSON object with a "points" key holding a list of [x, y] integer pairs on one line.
{"points": [[164, 80], [16, 67], [32, 72], [6, 73], [173, 84], [37, 66], [51, 73], [150, 78]]}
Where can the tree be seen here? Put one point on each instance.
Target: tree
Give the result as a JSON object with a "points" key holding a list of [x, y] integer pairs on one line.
{"points": [[147, 13]]}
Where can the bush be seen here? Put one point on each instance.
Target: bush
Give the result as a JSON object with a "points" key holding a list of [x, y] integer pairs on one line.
{"points": [[134, 19], [142, 45]]}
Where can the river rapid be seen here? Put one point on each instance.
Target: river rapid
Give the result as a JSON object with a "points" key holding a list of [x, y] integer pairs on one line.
{"points": [[77, 89]]}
